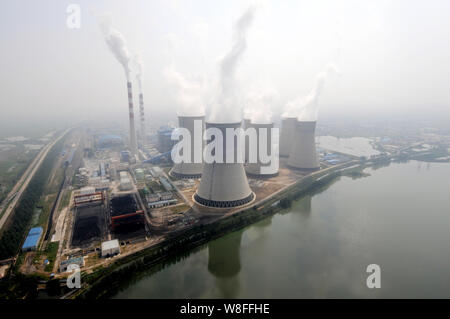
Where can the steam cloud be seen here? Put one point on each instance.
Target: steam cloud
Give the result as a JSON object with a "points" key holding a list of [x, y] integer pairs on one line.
{"points": [[138, 62], [258, 105], [191, 93], [227, 107], [116, 43], [307, 108]]}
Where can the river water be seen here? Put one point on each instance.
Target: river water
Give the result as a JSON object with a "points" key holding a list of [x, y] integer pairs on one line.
{"points": [[397, 218]]}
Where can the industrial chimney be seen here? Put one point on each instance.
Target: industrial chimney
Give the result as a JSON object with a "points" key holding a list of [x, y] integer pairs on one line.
{"points": [[254, 169], [133, 145], [288, 125], [191, 169], [142, 117], [224, 185], [303, 153]]}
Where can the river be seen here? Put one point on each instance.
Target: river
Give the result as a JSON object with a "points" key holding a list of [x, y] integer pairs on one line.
{"points": [[397, 218]]}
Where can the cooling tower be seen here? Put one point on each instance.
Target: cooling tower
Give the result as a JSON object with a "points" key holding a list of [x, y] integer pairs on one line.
{"points": [[288, 126], [133, 145], [303, 153], [191, 169], [254, 169], [245, 125], [224, 185]]}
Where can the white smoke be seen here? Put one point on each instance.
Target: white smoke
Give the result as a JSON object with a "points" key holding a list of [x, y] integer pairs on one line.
{"points": [[306, 108], [116, 43], [227, 106], [258, 105], [191, 92]]}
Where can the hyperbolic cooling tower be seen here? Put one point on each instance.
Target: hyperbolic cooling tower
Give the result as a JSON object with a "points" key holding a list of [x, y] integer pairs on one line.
{"points": [[192, 169], [245, 125], [133, 145], [303, 153], [254, 169], [224, 184], [288, 126]]}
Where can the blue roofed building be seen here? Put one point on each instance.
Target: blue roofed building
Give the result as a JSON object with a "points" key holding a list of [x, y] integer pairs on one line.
{"points": [[32, 240]]}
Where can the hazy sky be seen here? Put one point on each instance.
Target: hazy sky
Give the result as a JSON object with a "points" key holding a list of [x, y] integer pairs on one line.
{"points": [[394, 56]]}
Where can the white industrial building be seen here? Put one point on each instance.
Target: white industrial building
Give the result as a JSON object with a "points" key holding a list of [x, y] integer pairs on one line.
{"points": [[125, 181], [110, 248]]}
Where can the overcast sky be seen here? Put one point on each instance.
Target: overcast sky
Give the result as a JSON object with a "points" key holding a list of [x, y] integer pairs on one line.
{"points": [[394, 56]]}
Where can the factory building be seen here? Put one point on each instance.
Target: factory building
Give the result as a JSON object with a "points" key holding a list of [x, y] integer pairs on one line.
{"points": [[125, 181], [32, 240], [254, 169], [224, 185], [303, 153], [110, 248], [165, 142], [288, 127], [190, 169]]}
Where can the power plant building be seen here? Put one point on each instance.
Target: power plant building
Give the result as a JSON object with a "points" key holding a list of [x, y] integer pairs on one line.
{"points": [[224, 185]]}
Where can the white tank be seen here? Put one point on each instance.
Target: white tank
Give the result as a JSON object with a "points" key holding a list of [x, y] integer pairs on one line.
{"points": [[224, 185], [303, 153], [288, 126], [254, 169], [190, 170]]}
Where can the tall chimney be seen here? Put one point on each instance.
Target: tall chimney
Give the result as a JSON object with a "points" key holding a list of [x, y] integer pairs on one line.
{"points": [[133, 145], [142, 118], [303, 153], [224, 185], [192, 169], [254, 169], [288, 125]]}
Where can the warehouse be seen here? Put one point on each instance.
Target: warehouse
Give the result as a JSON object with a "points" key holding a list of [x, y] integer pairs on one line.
{"points": [[110, 248], [32, 240]]}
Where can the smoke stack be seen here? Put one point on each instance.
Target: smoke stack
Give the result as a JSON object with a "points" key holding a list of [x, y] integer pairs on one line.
{"points": [[142, 117], [254, 169], [288, 126], [303, 153], [224, 185], [133, 144], [191, 169]]}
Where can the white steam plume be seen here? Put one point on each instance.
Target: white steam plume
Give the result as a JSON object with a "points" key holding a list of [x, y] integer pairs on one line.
{"points": [[258, 105], [191, 93], [306, 108], [116, 43], [227, 108]]}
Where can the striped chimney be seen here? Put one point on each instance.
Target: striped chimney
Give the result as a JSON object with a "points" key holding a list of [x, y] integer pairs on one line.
{"points": [[142, 116], [133, 144]]}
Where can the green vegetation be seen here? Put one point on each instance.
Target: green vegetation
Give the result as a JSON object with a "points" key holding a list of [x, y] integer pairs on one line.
{"points": [[50, 252], [14, 233]]}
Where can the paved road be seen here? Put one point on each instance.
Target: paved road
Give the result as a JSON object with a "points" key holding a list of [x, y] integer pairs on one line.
{"points": [[22, 184]]}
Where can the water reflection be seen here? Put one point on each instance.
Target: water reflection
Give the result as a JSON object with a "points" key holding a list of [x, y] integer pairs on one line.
{"points": [[224, 263]]}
